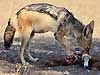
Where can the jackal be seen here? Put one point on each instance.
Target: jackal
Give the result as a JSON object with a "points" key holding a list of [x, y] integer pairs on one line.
{"points": [[43, 17]]}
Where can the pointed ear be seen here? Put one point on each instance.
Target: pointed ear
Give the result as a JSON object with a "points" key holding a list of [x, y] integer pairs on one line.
{"points": [[88, 30], [91, 26]]}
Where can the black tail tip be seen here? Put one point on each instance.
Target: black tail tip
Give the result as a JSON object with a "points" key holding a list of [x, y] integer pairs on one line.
{"points": [[7, 45]]}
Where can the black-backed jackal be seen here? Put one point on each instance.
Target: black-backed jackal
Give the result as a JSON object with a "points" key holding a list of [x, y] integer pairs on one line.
{"points": [[43, 17]]}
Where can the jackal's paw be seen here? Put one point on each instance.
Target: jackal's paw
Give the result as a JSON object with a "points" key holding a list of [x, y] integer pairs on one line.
{"points": [[17, 67], [24, 69], [25, 64], [34, 59]]}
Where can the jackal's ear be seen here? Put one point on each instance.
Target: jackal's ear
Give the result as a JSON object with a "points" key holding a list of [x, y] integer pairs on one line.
{"points": [[88, 30]]}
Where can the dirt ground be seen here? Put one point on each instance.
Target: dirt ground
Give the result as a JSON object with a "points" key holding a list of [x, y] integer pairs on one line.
{"points": [[44, 46]]}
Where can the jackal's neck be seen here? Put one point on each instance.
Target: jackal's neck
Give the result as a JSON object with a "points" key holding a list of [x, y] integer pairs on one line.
{"points": [[78, 25]]}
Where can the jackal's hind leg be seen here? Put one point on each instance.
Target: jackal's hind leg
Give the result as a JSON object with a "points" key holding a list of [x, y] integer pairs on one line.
{"points": [[27, 48], [59, 36], [22, 49]]}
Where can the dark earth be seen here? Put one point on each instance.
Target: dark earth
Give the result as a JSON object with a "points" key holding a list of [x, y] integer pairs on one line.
{"points": [[45, 48]]}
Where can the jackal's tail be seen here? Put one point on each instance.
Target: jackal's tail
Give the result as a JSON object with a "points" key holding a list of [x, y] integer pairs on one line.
{"points": [[9, 33]]}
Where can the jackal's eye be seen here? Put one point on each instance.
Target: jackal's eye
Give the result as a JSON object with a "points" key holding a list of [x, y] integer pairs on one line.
{"points": [[74, 35], [85, 33], [64, 20]]}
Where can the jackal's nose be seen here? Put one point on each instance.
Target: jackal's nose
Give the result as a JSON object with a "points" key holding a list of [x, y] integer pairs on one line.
{"points": [[78, 50]]}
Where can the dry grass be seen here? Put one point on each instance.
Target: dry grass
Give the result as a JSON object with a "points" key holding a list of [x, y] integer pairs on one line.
{"points": [[38, 73], [8, 74], [85, 11]]}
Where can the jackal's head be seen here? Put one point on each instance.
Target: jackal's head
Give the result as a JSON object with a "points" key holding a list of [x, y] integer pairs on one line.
{"points": [[85, 40], [82, 37]]}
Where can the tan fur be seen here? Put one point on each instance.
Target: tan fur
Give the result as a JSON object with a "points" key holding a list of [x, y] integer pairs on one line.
{"points": [[36, 21]]}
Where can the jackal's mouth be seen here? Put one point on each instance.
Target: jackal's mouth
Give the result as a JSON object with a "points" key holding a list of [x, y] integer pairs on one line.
{"points": [[77, 50], [73, 59]]}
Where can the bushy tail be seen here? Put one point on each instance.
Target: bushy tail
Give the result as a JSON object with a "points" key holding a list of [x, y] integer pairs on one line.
{"points": [[9, 33]]}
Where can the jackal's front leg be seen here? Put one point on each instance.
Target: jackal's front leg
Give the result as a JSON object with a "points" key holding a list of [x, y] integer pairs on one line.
{"points": [[59, 36]]}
